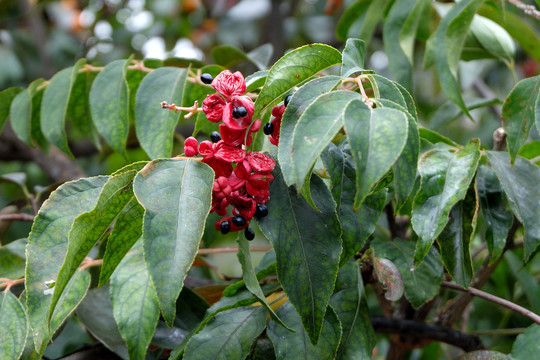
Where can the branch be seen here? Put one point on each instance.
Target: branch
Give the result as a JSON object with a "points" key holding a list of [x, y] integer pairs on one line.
{"points": [[19, 217], [527, 9], [495, 299], [230, 250], [422, 330]]}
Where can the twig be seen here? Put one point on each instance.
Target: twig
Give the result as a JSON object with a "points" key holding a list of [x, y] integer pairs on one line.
{"points": [[231, 250], [495, 299], [422, 330], [499, 139], [499, 332], [19, 217], [190, 110], [527, 9]]}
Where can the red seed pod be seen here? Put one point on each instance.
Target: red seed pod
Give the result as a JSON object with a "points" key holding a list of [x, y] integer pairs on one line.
{"points": [[191, 147], [228, 153], [229, 84], [260, 162], [238, 122], [213, 107]]}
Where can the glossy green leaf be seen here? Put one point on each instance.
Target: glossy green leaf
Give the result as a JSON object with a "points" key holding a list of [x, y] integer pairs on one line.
{"points": [[449, 111], [292, 69], [256, 80], [485, 355], [307, 245], [492, 202], [377, 138], [6, 97], [351, 20], [54, 107], [315, 128], [176, 195], [494, 39], [13, 326], [353, 57], [134, 301], [519, 113], [109, 105], [351, 308], [521, 30], [527, 345], [289, 345], [421, 284], [154, 125], [445, 179], [266, 267], [250, 278], [79, 105], [300, 100], [356, 225], [24, 113], [49, 236], [530, 150], [228, 335], [455, 239], [388, 89], [126, 231], [445, 46], [434, 137], [96, 313], [399, 33], [12, 259], [520, 183], [92, 226]]}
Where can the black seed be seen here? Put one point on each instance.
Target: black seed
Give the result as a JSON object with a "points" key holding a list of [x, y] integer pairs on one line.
{"points": [[261, 211], [206, 78], [225, 227], [268, 128], [238, 221], [250, 234], [235, 113], [215, 136], [287, 99], [239, 112]]}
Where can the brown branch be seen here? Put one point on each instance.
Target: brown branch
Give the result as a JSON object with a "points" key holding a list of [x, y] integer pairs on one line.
{"points": [[494, 299], [420, 331], [17, 217]]}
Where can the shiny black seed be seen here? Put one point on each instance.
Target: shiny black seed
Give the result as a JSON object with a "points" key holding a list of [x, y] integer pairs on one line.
{"points": [[261, 211], [215, 136], [268, 128], [287, 99], [250, 234], [238, 221], [225, 227], [239, 112], [206, 78], [235, 113]]}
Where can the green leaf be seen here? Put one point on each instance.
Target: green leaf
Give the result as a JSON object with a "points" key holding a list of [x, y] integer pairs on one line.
{"points": [[250, 278], [388, 89], [520, 183], [527, 345], [109, 105], [24, 113], [377, 138], [494, 39], [405, 167], [49, 236], [289, 345], [134, 301], [176, 195], [353, 57], [6, 97], [292, 69], [356, 225], [155, 126], [519, 112], [12, 259], [307, 245], [455, 239], [351, 308], [445, 179], [484, 355], [228, 335], [96, 313], [126, 231], [54, 107], [300, 100], [92, 226], [315, 128], [525, 277], [399, 33], [421, 284], [256, 80], [446, 44], [353, 17], [449, 111], [517, 26], [498, 219], [13, 326], [434, 137]]}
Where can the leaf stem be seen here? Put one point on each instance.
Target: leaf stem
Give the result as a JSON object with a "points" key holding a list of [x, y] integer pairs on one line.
{"points": [[194, 109], [495, 299], [20, 217]]}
